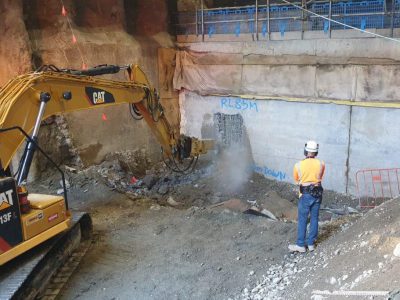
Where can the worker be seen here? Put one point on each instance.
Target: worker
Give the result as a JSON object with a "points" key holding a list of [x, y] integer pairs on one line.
{"points": [[308, 175]]}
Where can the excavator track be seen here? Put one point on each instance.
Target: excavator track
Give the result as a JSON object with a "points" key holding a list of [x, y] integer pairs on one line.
{"points": [[63, 274], [29, 275]]}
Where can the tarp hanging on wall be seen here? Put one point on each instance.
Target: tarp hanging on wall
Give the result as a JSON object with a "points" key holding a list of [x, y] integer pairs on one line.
{"points": [[203, 73], [209, 73]]}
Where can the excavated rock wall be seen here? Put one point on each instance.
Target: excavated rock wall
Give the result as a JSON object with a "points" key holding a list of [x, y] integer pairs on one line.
{"points": [[15, 50], [107, 32]]}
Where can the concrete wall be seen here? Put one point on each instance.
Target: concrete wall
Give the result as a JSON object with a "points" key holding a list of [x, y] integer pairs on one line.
{"points": [[341, 69], [277, 131], [302, 71], [342, 48]]}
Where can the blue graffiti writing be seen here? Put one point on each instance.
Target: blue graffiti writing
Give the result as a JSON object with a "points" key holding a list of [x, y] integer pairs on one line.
{"points": [[279, 175], [239, 104]]}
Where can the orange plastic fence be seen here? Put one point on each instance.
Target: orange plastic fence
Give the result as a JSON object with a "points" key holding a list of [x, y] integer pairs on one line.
{"points": [[374, 186]]}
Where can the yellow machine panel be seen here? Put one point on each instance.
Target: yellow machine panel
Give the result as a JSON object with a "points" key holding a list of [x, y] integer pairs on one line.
{"points": [[46, 212]]}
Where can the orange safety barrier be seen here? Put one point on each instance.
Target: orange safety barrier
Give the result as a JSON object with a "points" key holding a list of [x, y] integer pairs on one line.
{"points": [[374, 186]]}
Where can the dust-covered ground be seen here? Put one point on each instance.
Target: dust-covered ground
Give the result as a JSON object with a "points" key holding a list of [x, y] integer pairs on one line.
{"points": [[362, 257], [168, 236]]}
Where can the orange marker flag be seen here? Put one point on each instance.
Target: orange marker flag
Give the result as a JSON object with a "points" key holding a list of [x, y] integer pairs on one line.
{"points": [[84, 66], [63, 11], [104, 117], [73, 39]]}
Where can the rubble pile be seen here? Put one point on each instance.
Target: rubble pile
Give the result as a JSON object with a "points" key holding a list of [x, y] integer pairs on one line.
{"points": [[200, 188], [276, 279], [361, 256]]}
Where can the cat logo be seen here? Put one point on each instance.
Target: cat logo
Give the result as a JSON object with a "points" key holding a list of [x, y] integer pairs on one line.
{"points": [[6, 199], [98, 97]]}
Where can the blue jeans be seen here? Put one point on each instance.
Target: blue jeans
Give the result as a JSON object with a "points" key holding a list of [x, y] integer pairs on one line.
{"points": [[308, 205]]}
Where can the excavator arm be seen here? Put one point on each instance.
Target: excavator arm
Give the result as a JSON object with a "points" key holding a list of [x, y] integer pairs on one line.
{"points": [[27, 219], [28, 99]]}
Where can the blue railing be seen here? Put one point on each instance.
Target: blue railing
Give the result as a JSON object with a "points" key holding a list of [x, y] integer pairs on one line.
{"points": [[262, 20]]}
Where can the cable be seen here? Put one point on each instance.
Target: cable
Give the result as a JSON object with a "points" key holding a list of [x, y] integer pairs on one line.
{"points": [[187, 170], [340, 23], [188, 167], [153, 105], [174, 165]]}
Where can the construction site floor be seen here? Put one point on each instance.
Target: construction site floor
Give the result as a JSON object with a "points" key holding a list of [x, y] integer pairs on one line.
{"points": [[179, 245]]}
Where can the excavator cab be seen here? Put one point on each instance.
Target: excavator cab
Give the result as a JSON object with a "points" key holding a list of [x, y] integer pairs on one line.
{"points": [[46, 217], [27, 220], [10, 216]]}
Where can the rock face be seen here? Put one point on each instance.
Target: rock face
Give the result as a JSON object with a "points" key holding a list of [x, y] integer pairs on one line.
{"points": [[101, 13], [156, 11], [106, 32], [15, 50]]}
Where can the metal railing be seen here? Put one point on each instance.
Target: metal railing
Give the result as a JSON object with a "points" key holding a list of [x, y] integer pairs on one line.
{"points": [[262, 20]]}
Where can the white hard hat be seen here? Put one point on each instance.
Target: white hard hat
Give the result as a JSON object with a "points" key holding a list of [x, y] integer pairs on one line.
{"points": [[311, 146]]}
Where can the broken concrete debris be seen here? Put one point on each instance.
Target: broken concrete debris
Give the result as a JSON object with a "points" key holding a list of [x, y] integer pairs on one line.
{"points": [[351, 259], [70, 169], [340, 211], [172, 202], [396, 251], [260, 212], [247, 207], [269, 214]]}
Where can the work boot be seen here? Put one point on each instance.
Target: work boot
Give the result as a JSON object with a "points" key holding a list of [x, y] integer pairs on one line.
{"points": [[296, 248], [311, 248]]}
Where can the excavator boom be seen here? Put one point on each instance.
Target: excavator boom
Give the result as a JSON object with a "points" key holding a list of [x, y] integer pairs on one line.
{"points": [[21, 98]]}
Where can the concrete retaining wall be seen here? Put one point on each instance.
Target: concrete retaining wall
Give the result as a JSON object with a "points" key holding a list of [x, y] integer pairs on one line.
{"points": [[319, 48], [350, 138]]}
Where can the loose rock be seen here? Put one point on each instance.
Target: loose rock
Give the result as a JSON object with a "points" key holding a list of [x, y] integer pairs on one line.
{"points": [[162, 190], [150, 180], [396, 251]]}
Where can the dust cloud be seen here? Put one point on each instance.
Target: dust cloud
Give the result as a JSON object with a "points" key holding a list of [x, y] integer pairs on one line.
{"points": [[233, 160], [233, 168]]}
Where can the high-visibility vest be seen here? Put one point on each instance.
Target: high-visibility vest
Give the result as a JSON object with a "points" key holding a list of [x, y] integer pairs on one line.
{"points": [[308, 171]]}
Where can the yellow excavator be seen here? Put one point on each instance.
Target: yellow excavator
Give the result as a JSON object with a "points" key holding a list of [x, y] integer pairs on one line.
{"points": [[27, 219]]}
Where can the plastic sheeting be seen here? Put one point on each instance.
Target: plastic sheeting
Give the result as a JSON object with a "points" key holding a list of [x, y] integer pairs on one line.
{"points": [[203, 73], [291, 78]]}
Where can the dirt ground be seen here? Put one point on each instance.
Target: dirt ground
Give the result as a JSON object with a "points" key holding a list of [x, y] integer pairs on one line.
{"points": [[168, 236]]}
